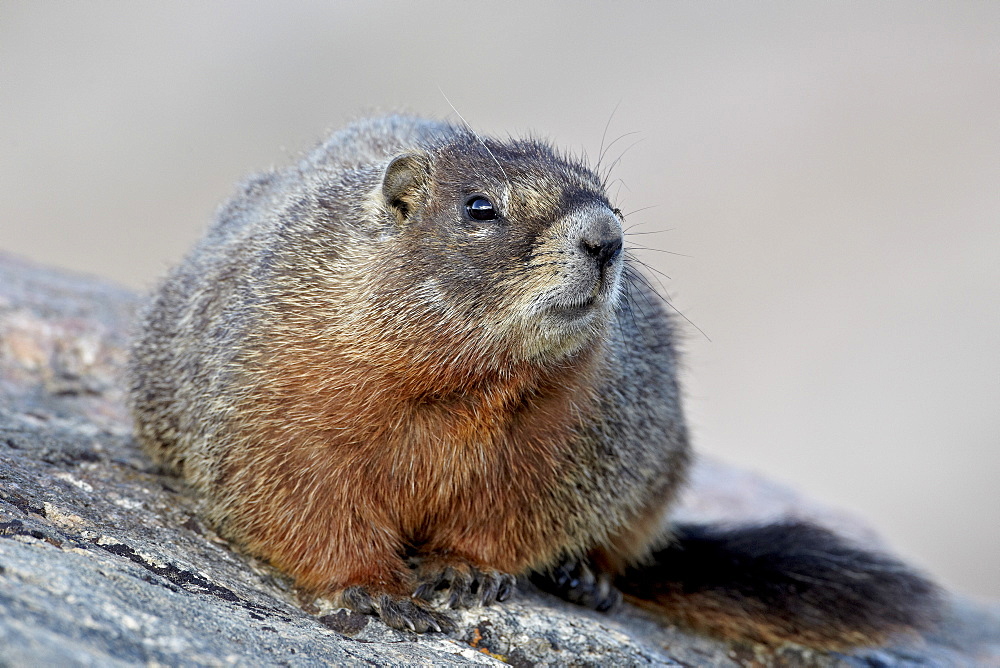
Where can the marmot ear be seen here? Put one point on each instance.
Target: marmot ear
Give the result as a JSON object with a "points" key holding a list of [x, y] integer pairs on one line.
{"points": [[404, 184]]}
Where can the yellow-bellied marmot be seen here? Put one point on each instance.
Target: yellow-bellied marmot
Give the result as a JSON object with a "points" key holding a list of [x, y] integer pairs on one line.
{"points": [[418, 364]]}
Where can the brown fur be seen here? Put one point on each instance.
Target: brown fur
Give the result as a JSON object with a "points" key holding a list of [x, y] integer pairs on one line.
{"points": [[448, 461]]}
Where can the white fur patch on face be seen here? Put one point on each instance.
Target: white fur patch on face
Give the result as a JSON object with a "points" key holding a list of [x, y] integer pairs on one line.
{"points": [[563, 296], [430, 291], [484, 232]]}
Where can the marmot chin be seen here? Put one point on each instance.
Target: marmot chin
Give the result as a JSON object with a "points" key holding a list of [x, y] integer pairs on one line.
{"points": [[417, 365]]}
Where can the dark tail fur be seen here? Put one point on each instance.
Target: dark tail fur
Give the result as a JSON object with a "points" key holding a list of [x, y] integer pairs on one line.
{"points": [[788, 582]]}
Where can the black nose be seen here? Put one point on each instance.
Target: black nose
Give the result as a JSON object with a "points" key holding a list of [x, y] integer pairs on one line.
{"points": [[604, 249]]}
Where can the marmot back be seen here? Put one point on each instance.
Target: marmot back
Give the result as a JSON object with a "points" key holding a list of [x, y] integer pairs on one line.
{"points": [[417, 364]]}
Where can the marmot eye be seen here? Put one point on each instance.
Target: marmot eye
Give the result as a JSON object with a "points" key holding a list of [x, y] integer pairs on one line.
{"points": [[480, 208]]}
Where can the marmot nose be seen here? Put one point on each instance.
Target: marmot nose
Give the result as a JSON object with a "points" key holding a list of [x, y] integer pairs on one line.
{"points": [[604, 248]]}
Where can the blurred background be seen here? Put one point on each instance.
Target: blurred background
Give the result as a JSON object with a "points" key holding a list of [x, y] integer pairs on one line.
{"points": [[830, 173]]}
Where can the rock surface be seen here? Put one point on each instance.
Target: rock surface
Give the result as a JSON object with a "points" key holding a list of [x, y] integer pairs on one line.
{"points": [[105, 562]]}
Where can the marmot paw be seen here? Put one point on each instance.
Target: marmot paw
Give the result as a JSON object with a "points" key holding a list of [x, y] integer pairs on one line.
{"points": [[576, 582], [462, 585], [399, 612]]}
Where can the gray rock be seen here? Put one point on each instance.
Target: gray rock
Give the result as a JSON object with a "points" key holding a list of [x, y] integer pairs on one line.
{"points": [[105, 562]]}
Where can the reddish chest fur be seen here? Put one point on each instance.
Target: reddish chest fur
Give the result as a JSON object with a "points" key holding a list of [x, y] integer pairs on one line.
{"points": [[360, 461]]}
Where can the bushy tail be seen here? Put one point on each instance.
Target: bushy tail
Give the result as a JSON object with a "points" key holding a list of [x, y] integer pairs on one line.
{"points": [[787, 582]]}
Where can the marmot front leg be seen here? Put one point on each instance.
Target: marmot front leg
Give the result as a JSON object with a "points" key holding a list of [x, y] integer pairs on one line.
{"points": [[458, 582], [582, 582], [590, 581], [386, 591], [398, 611], [353, 560]]}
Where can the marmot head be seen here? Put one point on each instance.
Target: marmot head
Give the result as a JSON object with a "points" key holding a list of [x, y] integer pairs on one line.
{"points": [[508, 242]]}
